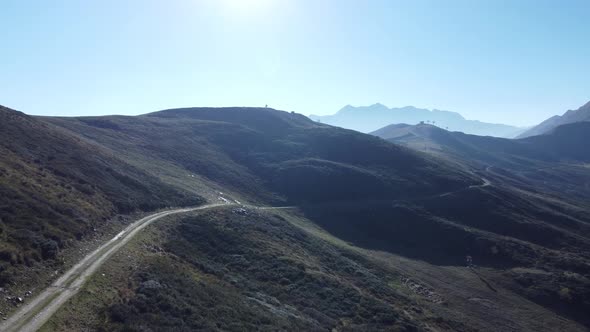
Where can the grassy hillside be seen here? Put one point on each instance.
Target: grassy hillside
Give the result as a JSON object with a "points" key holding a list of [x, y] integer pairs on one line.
{"points": [[219, 270], [469, 148], [553, 164], [254, 151], [57, 188], [559, 145], [369, 192], [430, 208], [222, 271], [564, 141]]}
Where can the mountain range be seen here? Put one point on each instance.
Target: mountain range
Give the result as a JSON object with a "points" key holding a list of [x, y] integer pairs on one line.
{"points": [[370, 118], [555, 161], [367, 233]]}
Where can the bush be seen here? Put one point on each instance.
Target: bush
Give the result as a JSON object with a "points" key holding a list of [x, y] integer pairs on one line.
{"points": [[120, 312], [49, 249]]}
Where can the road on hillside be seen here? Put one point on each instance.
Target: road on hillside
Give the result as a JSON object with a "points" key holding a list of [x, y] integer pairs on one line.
{"points": [[486, 183], [37, 312]]}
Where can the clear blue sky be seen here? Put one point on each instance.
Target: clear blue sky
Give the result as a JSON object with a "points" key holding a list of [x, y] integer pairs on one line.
{"points": [[512, 61]]}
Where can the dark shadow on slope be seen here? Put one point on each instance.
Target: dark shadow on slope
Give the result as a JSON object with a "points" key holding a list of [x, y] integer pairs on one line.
{"points": [[407, 230]]}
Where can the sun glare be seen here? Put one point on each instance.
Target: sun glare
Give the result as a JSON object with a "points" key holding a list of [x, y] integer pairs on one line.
{"points": [[249, 6]]}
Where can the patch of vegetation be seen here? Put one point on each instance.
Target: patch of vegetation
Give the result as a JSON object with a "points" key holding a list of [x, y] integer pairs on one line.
{"points": [[551, 163], [259, 272], [256, 151], [64, 175], [565, 292], [220, 271], [57, 188]]}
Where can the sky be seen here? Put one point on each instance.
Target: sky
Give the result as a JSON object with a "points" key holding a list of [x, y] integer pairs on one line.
{"points": [[506, 61]]}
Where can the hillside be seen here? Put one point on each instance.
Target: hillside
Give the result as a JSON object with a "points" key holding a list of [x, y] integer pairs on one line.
{"points": [[57, 188], [554, 163], [370, 118], [345, 182], [376, 226], [562, 144], [582, 114], [490, 150], [254, 151], [269, 271], [564, 141], [63, 179]]}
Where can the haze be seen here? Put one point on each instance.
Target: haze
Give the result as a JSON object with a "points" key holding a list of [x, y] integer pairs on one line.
{"points": [[497, 61]]}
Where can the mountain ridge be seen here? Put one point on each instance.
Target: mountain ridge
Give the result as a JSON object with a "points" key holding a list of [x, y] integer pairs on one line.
{"points": [[371, 118], [582, 114], [554, 161]]}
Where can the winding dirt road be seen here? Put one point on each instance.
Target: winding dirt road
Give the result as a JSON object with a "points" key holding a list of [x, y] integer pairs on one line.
{"points": [[35, 313], [486, 183]]}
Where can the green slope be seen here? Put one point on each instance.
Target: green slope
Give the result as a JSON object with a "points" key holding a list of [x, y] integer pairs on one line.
{"points": [[432, 209], [57, 187]]}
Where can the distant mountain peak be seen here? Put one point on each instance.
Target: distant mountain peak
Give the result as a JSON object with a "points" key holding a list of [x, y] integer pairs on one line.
{"points": [[378, 105], [370, 118]]}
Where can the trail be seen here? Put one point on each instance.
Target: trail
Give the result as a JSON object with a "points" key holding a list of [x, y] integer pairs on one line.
{"points": [[486, 183], [31, 316], [270, 207]]}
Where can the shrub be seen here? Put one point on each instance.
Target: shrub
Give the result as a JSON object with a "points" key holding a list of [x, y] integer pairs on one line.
{"points": [[49, 249]]}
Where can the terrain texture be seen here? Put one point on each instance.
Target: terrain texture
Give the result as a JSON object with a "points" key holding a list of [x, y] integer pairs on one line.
{"points": [[377, 238]]}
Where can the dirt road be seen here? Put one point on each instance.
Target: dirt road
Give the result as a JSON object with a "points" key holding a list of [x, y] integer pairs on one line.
{"points": [[35, 313], [486, 183]]}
